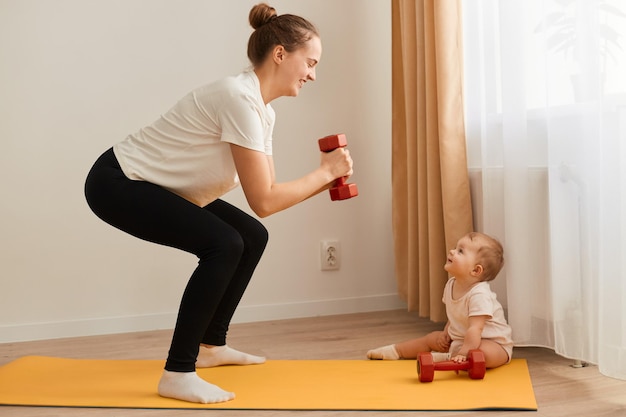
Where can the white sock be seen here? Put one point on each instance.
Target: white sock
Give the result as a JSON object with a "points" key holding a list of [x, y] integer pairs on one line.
{"points": [[188, 386], [225, 355], [388, 352], [441, 356]]}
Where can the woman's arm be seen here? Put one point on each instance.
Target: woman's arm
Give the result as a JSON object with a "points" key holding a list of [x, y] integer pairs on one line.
{"points": [[266, 197]]}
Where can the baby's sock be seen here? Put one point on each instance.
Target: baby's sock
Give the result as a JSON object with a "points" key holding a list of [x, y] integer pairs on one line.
{"points": [[188, 386], [388, 352], [441, 356], [225, 355]]}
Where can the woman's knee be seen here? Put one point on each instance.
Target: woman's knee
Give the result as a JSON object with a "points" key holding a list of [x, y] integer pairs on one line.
{"points": [[259, 237], [227, 247], [251, 230]]}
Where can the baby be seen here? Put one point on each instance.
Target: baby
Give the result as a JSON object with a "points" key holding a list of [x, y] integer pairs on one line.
{"points": [[475, 317]]}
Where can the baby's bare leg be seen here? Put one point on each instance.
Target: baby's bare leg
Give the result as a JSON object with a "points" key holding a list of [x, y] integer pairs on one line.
{"points": [[409, 349], [495, 355]]}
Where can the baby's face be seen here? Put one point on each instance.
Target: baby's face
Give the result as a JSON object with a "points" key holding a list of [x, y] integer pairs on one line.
{"points": [[463, 258]]}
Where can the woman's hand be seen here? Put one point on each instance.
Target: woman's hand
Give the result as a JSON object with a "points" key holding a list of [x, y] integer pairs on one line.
{"points": [[337, 163]]}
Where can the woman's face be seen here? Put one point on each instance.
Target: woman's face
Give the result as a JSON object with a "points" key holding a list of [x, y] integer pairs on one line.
{"points": [[298, 66]]}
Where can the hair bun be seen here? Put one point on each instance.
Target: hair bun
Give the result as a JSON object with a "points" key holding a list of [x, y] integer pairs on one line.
{"points": [[261, 14]]}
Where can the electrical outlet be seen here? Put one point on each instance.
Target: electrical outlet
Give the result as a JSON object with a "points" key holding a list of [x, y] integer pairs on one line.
{"points": [[330, 255]]}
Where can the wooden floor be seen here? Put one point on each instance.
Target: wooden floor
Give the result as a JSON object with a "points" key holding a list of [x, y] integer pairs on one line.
{"points": [[560, 389]]}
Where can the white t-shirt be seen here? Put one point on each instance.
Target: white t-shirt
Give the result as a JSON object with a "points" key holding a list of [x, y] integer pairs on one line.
{"points": [[187, 149], [478, 301]]}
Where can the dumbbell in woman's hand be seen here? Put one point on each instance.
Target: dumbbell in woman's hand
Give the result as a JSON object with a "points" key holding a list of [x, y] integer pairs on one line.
{"points": [[340, 190]]}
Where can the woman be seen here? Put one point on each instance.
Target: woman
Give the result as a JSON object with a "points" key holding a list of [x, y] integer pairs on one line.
{"points": [[163, 183]]}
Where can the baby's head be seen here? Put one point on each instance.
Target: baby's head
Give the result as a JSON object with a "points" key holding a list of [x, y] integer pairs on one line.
{"points": [[490, 254]]}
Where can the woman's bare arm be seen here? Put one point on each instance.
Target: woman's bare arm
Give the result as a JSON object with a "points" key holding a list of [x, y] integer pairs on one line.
{"points": [[265, 196]]}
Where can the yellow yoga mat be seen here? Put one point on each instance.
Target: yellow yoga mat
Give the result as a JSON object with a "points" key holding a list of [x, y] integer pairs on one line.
{"points": [[274, 385]]}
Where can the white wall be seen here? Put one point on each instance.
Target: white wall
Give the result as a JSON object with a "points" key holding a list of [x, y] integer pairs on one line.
{"points": [[76, 76]]}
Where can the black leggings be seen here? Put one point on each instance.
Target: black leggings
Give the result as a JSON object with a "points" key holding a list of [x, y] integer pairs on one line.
{"points": [[228, 243]]}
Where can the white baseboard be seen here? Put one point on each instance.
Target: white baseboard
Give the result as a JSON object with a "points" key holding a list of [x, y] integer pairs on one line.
{"points": [[248, 314], [85, 327], [244, 314]]}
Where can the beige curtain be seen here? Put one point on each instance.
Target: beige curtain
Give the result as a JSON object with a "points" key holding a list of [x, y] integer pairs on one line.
{"points": [[431, 196]]}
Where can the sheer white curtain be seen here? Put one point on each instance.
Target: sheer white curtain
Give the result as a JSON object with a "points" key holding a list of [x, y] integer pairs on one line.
{"points": [[546, 131]]}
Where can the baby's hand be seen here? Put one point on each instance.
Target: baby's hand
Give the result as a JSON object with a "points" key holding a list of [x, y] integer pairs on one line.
{"points": [[459, 358]]}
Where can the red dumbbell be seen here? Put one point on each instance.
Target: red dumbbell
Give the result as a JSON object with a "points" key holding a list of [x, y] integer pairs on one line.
{"points": [[340, 190], [475, 365]]}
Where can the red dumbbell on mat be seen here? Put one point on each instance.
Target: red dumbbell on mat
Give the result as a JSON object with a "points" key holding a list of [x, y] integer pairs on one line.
{"points": [[340, 190], [475, 365]]}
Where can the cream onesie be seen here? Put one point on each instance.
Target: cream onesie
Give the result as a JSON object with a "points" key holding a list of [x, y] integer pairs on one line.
{"points": [[478, 301]]}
